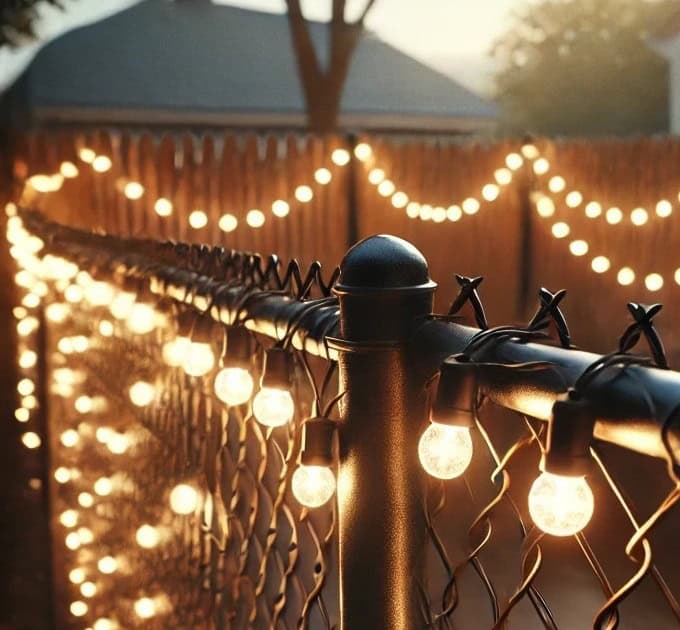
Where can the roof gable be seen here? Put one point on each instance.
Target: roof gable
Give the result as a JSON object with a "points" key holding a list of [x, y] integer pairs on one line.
{"points": [[200, 57]]}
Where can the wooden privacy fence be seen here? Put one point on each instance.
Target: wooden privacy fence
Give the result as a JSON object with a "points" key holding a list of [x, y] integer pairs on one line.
{"points": [[506, 240]]}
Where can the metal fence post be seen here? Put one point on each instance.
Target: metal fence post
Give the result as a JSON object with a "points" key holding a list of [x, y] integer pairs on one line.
{"points": [[384, 290]]}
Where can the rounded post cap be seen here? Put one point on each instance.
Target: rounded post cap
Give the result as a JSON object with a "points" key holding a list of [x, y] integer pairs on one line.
{"points": [[383, 263]]}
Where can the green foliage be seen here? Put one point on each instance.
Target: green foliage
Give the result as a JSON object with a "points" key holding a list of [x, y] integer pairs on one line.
{"points": [[584, 67], [17, 19]]}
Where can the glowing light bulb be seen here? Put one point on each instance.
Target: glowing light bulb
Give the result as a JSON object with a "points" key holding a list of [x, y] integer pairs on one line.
{"points": [[513, 161], [375, 176], [198, 359], [117, 443], [104, 623], [25, 386], [502, 176], [255, 218], [56, 312], [145, 607], [84, 404], [105, 328], [198, 219], [386, 188], [600, 264], [304, 194], [68, 518], [107, 565], [183, 499], [280, 208], [363, 151], [28, 359], [438, 214], [541, 166], [676, 276], [340, 157], [578, 247], [413, 210], [445, 451], [26, 326], [454, 213], [85, 535], [273, 407], [103, 486], [147, 536], [227, 223], [142, 393], [561, 506], [323, 176], [163, 207], [88, 589], [78, 608], [399, 199], [121, 305], [425, 212], [72, 541], [613, 216], [76, 576], [530, 151], [31, 440], [174, 351], [69, 438], [133, 190], [234, 385], [490, 192], [31, 300], [22, 414], [313, 485], [103, 434], [556, 184], [560, 230], [85, 499], [664, 208], [654, 282], [62, 475], [101, 164], [142, 319], [573, 199], [545, 207], [68, 170], [639, 216], [80, 343], [470, 205], [99, 293], [625, 276]]}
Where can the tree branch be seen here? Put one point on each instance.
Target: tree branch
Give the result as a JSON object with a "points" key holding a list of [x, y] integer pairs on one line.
{"points": [[367, 8], [338, 14]]}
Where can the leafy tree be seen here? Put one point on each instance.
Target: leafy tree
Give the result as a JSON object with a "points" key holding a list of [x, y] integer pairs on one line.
{"points": [[17, 19], [584, 67], [323, 87]]}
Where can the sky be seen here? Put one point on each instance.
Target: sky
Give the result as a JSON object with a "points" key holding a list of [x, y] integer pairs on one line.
{"points": [[453, 36]]}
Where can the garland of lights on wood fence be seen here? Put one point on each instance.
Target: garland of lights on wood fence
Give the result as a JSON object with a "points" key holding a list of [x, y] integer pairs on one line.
{"points": [[194, 433], [546, 196]]}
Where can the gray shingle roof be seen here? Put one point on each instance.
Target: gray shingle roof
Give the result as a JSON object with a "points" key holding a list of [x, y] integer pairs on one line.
{"points": [[203, 62]]}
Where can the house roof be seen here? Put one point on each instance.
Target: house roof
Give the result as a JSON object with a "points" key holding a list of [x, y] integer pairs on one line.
{"points": [[201, 63]]}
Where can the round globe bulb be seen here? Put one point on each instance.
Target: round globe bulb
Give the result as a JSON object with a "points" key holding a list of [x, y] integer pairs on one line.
{"points": [[234, 385], [174, 351], [142, 393], [445, 450], [198, 359], [122, 304], [145, 607], [147, 536], [313, 485], [183, 499], [561, 506], [273, 407], [142, 319]]}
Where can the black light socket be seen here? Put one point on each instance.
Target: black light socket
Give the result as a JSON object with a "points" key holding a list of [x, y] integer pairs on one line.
{"points": [[456, 398], [239, 348], [318, 435], [202, 331], [570, 434], [277, 370]]}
